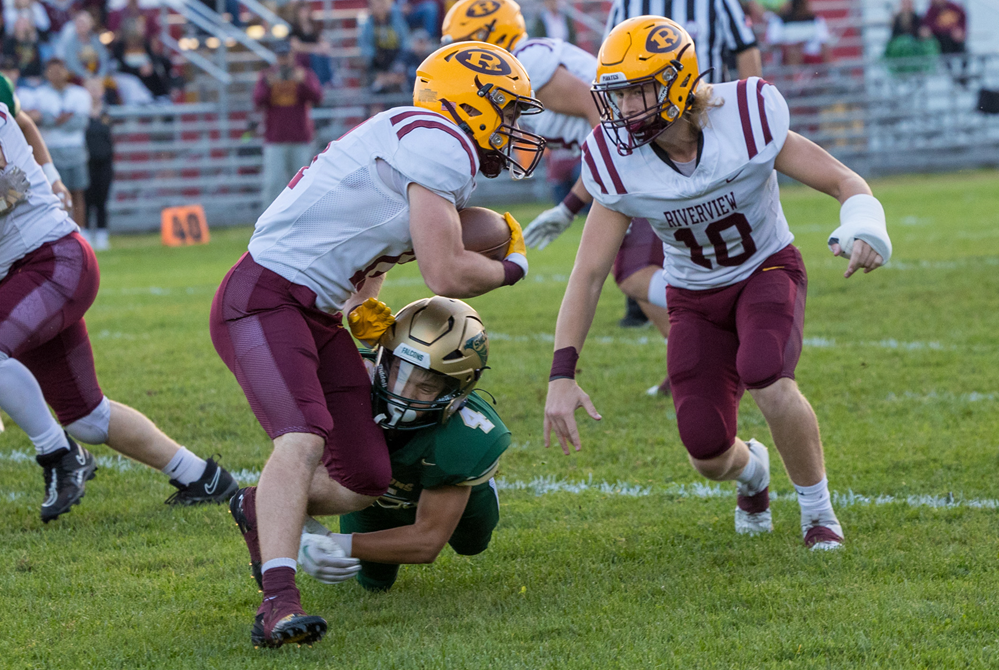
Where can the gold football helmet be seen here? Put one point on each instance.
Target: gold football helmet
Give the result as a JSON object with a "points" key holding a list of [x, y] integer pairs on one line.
{"points": [[639, 52], [498, 22], [437, 343], [484, 90]]}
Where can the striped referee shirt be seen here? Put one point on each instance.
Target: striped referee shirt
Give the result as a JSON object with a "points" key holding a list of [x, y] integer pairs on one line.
{"points": [[718, 27]]}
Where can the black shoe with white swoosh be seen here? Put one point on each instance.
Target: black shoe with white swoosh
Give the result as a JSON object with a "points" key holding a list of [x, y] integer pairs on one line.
{"points": [[215, 486], [66, 474]]}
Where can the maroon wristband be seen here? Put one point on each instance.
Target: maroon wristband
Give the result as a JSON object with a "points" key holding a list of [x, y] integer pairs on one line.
{"points": [[512, 273], [564, 364], [573, 203]]}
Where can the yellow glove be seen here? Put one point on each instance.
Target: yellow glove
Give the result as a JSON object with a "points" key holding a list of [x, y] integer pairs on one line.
{"points": [[369, 320], [517, 245]]}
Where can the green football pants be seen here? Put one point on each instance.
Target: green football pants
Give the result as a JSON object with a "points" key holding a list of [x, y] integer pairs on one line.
{"points": [[470, 537]]}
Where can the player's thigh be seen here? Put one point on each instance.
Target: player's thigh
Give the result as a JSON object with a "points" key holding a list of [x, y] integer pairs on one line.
{"points": [[48, 290], [266, 342], [64, 368], [480, 518], [770, 318], [701, 359], [640, 249], [356, 455]]}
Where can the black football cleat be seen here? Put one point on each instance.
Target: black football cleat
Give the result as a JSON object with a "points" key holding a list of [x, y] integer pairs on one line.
{"points": [[281, 621], [66, 474], [215, 486], [242, 506]]}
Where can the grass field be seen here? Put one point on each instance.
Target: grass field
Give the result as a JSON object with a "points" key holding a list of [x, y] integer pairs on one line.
{"points": [[616, 557]]}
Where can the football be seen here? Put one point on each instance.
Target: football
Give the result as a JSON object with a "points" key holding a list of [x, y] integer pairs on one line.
{"points": [[484, 231]]}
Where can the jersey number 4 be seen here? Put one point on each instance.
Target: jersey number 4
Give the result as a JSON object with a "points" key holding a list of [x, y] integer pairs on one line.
{"points": [[475, 420], [714, 231]]}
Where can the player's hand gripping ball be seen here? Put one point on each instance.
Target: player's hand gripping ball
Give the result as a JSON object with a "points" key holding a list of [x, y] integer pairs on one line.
{"points": [[325, 560], [369, 320]]}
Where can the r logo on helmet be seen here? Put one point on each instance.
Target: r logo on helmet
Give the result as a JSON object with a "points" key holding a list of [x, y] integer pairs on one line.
{"points": [[482, 8], [661, 40], [483, 62]]}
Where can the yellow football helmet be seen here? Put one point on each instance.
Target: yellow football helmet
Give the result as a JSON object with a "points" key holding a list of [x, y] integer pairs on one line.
{"points": [[484, 90], [440, 336], [641, 51], [498, 22]]}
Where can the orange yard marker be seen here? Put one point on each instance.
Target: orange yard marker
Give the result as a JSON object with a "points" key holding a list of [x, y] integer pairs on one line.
{"points": [[183, 226]]}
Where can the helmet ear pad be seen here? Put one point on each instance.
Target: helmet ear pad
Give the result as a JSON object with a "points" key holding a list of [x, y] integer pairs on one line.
{"points": [[491, 163]]}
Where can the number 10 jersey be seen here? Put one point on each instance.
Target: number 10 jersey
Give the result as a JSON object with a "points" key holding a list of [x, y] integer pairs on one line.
{"points": [[720, 223]]}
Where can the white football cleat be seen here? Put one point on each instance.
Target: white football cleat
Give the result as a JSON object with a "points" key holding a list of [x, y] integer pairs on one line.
{"points": [[823, 535], [752, 511]]}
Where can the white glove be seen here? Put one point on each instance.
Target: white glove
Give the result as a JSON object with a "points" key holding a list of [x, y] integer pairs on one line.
{"points": [[322, 557], [862, 218], [547, 226]]}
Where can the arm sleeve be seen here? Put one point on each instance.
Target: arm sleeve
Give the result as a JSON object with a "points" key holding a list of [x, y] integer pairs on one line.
{"points": [[437, 161], [541, 60], [731, 19]]}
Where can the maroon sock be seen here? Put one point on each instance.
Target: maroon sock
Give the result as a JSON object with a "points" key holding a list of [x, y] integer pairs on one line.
{"points": [[250, 506], [280, 582]]}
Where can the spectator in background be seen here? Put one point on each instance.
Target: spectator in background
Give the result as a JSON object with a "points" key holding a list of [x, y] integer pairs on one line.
{"points": [[100, 167], [947, 22], [554, 22], [31, 11], [148, 19], [384, 41], [421, 45], [134, 55], [425, 14], [62, 112], [802, 35], [905, 21], [60, 13], [82, 50], [23, 47], [286, 92], [307, 41]]}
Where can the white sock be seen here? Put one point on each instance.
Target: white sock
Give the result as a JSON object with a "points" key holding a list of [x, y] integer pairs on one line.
{"points": [[185, 467], [752, 474], [21, 397], [279, 563], [816, 504]]}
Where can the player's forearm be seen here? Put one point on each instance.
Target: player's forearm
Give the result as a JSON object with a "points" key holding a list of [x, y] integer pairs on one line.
{"points": [[34, 139], [372, 287], [749, 63], [580, 192], [579, 305], [467, 275], [402, 545]]}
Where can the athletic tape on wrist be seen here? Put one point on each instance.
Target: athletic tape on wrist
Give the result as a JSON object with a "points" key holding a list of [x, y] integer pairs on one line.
{"points": [[514, 269], [51, 173], [564, 364]]}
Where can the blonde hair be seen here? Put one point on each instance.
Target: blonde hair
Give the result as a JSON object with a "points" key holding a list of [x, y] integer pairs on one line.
{"points": [[700, 103]]}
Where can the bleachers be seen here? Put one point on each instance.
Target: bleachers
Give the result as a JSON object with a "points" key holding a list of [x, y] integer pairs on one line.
{"points": [[877, 121]]}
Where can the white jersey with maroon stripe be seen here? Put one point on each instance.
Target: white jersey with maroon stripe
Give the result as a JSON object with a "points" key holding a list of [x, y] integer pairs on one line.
{"points": [[541, 57], [41, 218], [720, 223], [345, 217]]}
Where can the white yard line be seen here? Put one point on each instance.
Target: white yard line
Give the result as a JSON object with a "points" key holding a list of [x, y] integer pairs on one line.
{"points": [[543, 486]]}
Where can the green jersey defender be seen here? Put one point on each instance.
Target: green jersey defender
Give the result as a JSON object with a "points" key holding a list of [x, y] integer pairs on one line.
{"points": [[444, 444]]}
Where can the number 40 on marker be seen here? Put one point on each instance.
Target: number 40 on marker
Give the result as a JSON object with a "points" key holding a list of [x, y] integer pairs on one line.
{"points": [[183, 226]]}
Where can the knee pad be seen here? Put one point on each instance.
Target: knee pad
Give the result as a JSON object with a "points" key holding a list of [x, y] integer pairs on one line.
{"points": [[761, 359], [93, 428], [657, 290], [3, 357], [703, 429]]}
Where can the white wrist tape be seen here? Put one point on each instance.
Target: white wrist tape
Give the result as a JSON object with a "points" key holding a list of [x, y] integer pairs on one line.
{"points": [[862, 218], [519, 259], [51, 173]]}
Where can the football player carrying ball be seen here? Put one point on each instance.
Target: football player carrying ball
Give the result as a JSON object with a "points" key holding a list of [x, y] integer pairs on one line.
{"points": [[699, 161], [444, 443], [387, 192]]}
